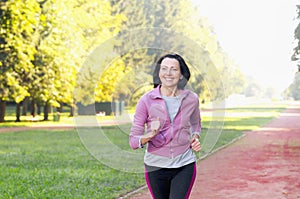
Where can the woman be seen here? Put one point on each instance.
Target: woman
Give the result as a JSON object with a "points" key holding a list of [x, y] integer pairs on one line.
{"points": [[172, 117]]}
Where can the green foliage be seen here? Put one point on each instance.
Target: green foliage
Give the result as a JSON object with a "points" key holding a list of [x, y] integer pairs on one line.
{"points": [[233, 79], [45, 45], [294, 89], [109, 78], [98, 24], [17, 36], [72, 41], [252, 89], [295, 56], [175, 19]]}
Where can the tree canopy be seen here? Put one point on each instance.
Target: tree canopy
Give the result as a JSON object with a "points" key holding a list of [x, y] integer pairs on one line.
{"points": [[295, 56], [48, 50]]}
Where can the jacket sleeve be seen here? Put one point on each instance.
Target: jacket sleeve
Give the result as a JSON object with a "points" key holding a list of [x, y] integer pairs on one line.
{"points": [[196, 119], [138, 126]]}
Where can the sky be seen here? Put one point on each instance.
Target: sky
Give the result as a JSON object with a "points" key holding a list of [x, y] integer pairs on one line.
{"points": [[258, 35]]}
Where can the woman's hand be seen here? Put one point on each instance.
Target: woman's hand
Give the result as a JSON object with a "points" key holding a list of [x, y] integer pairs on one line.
{"points": [[155, 125], [195, 143]]}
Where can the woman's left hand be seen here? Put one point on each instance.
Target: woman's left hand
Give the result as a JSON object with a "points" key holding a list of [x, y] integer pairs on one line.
{"points": [[195, 143]]}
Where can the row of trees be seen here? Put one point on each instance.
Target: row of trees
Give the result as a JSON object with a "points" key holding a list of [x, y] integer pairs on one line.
{"points": [[293, 91], [295, 56], [57, 52]]}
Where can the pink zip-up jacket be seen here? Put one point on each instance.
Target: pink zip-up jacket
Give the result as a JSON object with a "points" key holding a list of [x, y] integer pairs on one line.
{"points": [[174, 137]]}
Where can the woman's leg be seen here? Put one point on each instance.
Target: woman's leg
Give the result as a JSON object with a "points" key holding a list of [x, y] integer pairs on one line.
{"points": [[158, 182], [183, 181]]}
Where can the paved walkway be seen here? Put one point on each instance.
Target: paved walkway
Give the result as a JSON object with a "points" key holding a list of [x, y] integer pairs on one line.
{"points": [[265, 164]]}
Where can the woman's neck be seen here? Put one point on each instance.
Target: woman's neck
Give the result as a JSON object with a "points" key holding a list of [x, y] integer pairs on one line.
{"points": [[169, 91]]}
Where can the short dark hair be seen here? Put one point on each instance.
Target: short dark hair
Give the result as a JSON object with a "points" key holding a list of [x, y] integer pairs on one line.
{"points": [[184, 70]]}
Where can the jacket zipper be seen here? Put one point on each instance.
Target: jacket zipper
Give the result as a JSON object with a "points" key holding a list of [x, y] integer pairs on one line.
{"points": [[171, 122], [172, 127], [171, 148]]}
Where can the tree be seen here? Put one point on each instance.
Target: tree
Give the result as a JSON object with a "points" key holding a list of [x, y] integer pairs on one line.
{"points": [[294, 89], [295, 56], [55, 62], [233, 79], [43, 45], [98, 26], [18, 19], [137, 61], [252, 89], [269, 92], [173, 21]]}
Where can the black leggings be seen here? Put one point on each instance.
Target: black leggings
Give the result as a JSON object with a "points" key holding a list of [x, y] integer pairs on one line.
{"points": [[170, 183]]}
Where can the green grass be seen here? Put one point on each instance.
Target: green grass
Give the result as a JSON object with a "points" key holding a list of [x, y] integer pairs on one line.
{"points": [[55, 164]]}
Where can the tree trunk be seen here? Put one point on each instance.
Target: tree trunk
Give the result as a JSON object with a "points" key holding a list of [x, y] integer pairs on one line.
{"points": [[18, 112], [60, 108], [46, 111], [2, 110], [33, 108], [39, 109], [25, 106], [72, 110]]}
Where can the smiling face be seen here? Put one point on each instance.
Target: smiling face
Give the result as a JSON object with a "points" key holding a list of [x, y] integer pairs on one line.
{"points": [[169, 73]]}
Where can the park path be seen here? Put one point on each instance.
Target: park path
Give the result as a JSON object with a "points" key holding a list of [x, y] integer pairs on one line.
{"points": [[264, 164]]}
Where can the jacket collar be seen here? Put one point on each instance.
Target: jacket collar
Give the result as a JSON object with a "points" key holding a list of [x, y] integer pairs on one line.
{"points": [[156, 93]]}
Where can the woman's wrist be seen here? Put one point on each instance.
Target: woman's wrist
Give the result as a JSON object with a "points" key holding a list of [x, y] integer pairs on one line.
{"points": [[144, 141], [146, 138], [196, 135]]}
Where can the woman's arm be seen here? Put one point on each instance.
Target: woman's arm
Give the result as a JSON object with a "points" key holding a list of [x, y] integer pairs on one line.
{"points": [[138, 126], [196, 128], [137, 139], [195, 120]]}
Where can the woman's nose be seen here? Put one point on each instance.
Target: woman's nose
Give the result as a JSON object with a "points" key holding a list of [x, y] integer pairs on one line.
{"points": [[169, 71]]}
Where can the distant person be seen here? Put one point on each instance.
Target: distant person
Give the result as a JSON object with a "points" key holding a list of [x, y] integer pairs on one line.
{"points": [[173, 124]]}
